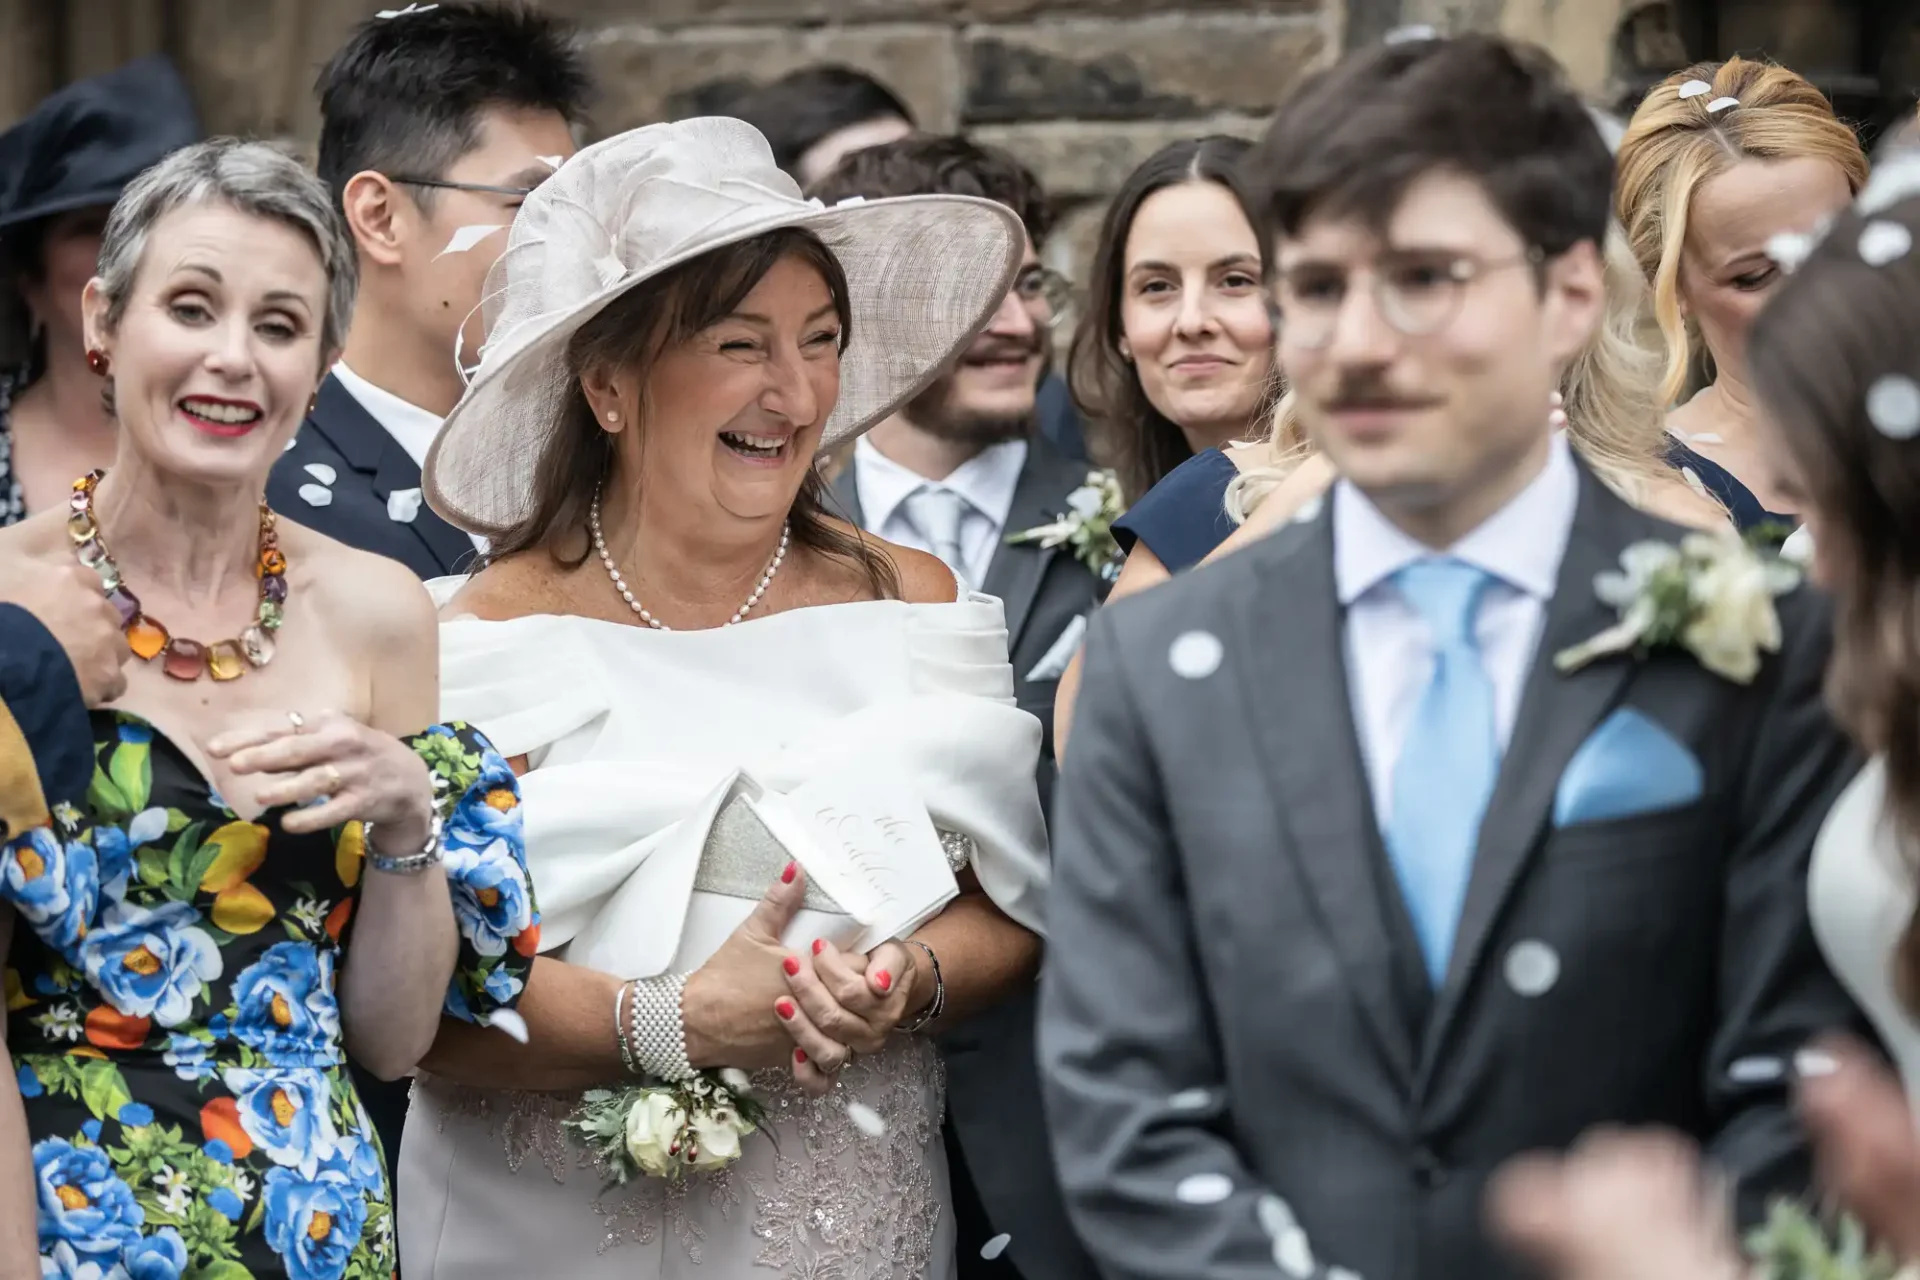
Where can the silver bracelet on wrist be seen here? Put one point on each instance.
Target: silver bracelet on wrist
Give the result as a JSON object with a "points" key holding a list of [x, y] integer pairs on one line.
{"points": [[938, 1005], [657, 1029], [620, 1029], [406, 864]]}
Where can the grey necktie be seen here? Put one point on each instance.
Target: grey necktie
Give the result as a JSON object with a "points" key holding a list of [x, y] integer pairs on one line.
{"points": [[936, 514]]}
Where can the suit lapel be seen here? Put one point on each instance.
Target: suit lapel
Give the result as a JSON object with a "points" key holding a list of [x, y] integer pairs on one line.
{"points": [[371, 450], [1303, 721], [1557, 712], [1039, 496], [846, 492]]}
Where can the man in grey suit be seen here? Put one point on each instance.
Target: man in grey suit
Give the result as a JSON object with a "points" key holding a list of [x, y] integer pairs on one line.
{"points": [[954, 473], [1358, 893]]}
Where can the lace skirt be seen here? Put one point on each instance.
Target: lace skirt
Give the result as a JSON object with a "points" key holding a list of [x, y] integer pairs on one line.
{"points": [[491, 1185]]}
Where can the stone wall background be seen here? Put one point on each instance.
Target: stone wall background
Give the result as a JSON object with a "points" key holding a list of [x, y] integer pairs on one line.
{"points": [[1080, 89]]}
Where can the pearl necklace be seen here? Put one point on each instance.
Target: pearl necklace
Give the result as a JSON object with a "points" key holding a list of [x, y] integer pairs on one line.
{"points": [[626, 593]]}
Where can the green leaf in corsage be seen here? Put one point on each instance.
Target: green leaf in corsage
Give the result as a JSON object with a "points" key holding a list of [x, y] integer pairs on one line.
{"points": [[1086, 526], [665, 1130], [1794, 1245]]}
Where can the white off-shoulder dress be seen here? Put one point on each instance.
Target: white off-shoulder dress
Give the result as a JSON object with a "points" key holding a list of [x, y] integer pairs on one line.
{"points": [[628, 732]]}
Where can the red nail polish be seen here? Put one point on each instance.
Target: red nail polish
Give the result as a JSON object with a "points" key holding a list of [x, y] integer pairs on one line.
{"points": [[792, 869], [784, 1008], [792, 967], [819, 945], [800, 1056], [883, 980]]}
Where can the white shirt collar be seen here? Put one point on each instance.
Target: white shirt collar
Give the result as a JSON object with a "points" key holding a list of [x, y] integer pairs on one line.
{"points": [[407, 423], [986, 480], [1521, 544]]}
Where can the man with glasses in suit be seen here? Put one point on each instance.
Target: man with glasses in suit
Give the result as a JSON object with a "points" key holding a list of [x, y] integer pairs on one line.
{"points": [[435, 125]]}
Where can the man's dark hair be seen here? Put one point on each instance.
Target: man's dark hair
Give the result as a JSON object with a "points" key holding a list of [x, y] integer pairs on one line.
{"points": [[940, 164], [802, 107], [1350, 140], [405, 95]]}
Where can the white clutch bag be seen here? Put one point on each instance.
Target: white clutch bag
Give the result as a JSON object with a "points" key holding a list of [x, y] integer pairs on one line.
{"points": [[869, 844]]}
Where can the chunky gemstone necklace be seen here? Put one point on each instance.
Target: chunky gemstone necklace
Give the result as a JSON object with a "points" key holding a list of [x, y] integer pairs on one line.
{"points": [[620, 583], [181, 658]]}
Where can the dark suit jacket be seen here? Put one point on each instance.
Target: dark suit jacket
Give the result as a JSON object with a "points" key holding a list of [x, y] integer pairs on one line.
{"points": [[993, 1089], [41, 696], [1232, 987], [368, 464]]}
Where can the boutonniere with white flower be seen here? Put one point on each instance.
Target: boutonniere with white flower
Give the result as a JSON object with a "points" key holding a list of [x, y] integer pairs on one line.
{"points": [[668, 1130], [1713, 595], [1086, 525], [1794, 1245]]}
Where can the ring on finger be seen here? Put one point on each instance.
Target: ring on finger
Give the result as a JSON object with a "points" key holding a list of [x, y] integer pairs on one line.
{"points": [[298, 721], [334, 781]]}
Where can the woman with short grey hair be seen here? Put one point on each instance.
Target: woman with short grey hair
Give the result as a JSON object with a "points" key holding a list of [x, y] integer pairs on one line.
{"points": [[265, 874]]}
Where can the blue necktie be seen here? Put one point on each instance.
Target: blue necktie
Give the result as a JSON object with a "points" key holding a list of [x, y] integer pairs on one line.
{"points": [[1445, 773]]}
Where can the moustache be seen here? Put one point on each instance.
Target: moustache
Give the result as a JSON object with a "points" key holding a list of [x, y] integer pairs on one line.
{"points": [[1000, 349], [1367, 391]]}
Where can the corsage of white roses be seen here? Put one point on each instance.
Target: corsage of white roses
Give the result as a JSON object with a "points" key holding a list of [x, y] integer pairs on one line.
{"points": [[1086, 525], [668, 1130], [1713, 594]]}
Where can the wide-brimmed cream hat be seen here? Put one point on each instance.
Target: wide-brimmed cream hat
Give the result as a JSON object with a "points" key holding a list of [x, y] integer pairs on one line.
{"points": [[925, 273]]}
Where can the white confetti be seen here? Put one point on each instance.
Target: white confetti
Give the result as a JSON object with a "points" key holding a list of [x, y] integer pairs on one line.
{"points": [[1309, 510], [1694, 482], [1412, 31], [1893, 406], [1191, 1100], [1195, 655], [1695, 88], [465, 238], [322, 472], [996, 1246], [1721, 104], [1759, 1069], [290, 444], [1292, 1254], [866, 1119], [509, 1022], [1798, 547], [1203, 1188], [552, 162], [403, 505], [1814, 1063], [1884, 242], [1341, 1273], [316, 495], [1532, 968], [736, 1079], [390, 14], [1789, 249], [1276, 1217], [1893, 180]]}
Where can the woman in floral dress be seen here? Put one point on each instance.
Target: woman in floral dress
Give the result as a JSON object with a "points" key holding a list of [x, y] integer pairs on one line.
{"points": [[275, 866]]}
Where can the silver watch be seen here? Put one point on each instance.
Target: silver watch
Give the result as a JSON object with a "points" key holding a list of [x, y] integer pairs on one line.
{"points": [[406, 864]]}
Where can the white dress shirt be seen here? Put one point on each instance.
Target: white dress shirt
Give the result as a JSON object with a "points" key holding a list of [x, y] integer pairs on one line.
{"points": [[986, 480], [1389, 647], [413, 427]]}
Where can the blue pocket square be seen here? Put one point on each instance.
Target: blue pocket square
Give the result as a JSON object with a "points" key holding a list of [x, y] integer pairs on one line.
{"points": [[1628, 766]]}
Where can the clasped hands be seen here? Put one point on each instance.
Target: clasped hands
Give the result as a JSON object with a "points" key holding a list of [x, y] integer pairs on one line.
{"points": [[757, 1003], [335, 770]]}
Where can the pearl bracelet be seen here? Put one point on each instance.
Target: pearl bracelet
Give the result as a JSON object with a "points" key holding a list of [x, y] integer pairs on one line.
{"points": [[656, 1030]]}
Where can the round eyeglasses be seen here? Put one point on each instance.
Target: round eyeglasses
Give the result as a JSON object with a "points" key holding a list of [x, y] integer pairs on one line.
{"points": [[1417, 292], [1039, 286]]}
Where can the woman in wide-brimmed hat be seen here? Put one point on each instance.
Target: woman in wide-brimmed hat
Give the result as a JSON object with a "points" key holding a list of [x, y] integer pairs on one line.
{"points": [[677, 644], [61, 169]]}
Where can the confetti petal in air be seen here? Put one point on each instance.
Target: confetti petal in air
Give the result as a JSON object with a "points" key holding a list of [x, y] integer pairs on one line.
{"points": [[1203, 1188], [316, 495], [1789, 249], [1884, 242], [322, 472], [1276, 1217], [1292, 1254], [1532, 967], [736, 1079], [1813, 1063], [1759, 1069], [1894, 179], [509, 1022], [866, 1119], [1309, 510], [390, 14], [1721, 104], [1195, 655], [1341, 1273], [552, 162], [996, 1246], [403, 505], [1893, 406], [465, 238], [1695, 88], [1191, 1100]]}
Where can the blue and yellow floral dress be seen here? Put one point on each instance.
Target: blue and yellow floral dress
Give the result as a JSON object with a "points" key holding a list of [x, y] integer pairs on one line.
{"points": [[172, 1020]]}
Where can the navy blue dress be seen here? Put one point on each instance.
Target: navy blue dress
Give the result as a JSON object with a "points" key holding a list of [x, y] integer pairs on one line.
{"points": [[1739, 501], [1184, 517]]}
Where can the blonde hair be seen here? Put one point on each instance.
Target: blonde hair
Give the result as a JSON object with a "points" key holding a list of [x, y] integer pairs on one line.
{"points": [[1615, 421], [1675, 144]]}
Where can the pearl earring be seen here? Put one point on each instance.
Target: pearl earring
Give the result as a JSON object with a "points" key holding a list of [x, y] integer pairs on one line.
{"points": [[612, 417], [1557, 413]]}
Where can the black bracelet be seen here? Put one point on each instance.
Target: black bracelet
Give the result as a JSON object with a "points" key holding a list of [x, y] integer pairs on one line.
{"points": [[939, 1003]]}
